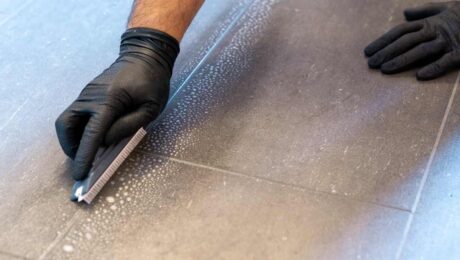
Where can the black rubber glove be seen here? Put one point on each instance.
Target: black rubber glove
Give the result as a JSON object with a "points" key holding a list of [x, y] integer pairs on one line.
{"points": [[126, 96], [432, 34]]}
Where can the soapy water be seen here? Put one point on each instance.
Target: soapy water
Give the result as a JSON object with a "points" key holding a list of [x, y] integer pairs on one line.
{"points": [[185, 64], [136, 192], [145, 183], [180, 128]]}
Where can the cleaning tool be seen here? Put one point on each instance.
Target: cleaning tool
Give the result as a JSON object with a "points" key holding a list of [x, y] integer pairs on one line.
{"points": [[107, 161]]}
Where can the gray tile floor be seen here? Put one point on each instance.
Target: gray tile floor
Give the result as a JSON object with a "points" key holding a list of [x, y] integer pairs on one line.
{"points": [[278, 143]]}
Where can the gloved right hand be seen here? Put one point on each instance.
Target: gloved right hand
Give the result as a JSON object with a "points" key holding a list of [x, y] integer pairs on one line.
{"points": [[433, 32], [125, 97]]}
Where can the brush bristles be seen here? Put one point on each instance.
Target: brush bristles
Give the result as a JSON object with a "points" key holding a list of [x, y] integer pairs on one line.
{"points": [[121, 157]]}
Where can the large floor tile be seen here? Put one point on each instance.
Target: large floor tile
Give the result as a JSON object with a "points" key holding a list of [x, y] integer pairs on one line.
{"points": [[435, 229], [50, 51], [289, 97], [160, 209]]}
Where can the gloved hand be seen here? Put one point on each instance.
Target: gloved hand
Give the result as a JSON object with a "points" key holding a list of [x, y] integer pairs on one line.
{"points": [[125, 97], [432, 34]]}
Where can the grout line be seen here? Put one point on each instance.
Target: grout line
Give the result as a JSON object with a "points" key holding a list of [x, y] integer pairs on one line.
{"points": [[18, 109], [211, 50], [202, 61], [428, 168], [61, 235], [257, 179], [4, 21], [12, 255]]}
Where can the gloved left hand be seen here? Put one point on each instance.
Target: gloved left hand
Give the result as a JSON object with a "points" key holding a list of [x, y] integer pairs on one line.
{"points": [[125, 97], [432, 33]]}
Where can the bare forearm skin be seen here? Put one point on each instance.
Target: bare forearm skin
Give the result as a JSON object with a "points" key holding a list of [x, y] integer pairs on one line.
{"points": [[170, 16]]}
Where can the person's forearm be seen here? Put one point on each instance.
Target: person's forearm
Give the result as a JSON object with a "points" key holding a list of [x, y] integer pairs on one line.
{"points": [[170, 16]]}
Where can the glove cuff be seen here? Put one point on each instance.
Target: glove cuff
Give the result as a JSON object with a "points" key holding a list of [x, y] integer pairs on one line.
{"points": [[151, 43]]}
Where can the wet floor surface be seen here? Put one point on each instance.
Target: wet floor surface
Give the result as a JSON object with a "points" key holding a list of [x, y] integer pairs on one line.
{"points": [[278, 143]]}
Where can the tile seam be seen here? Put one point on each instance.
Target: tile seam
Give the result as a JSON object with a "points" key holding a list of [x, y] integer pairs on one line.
{"points": [[428, 168], [280, 183], [201, 62], [61, 235], [22, 7]]}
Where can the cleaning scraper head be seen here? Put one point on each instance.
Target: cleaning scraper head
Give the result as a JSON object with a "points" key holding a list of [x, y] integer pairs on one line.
{"points": [[107, 161]]}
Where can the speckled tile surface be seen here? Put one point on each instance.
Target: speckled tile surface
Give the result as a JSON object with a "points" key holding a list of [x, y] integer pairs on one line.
{"points": [[289, 100], [45, 50], [279, 144], [160, 209]]}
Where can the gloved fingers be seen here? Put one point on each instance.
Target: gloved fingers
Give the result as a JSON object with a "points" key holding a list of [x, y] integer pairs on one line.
{"points": [[91, 140], [419, 53], [127, 125], [440, 67], [403, 44], [424, 11], [69, 129], [392, 36]]}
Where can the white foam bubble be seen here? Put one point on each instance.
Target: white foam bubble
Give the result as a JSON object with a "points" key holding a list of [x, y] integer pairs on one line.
{"points": [[68, 248], [110, 199]]}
